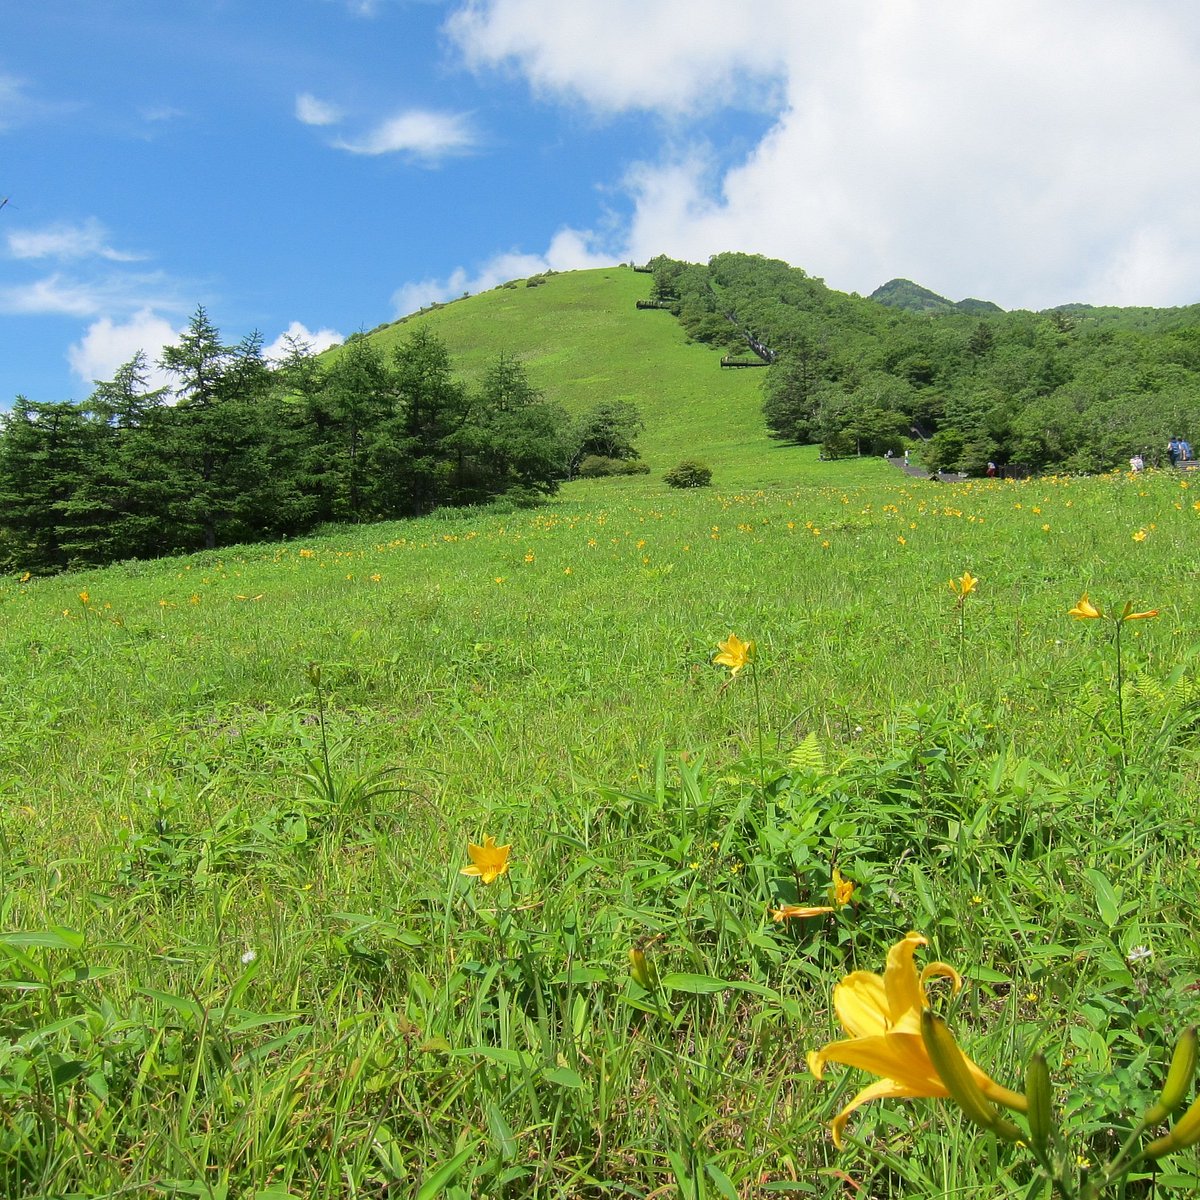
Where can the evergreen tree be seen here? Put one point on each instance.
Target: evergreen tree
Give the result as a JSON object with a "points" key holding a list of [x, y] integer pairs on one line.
{"points": [[343, 418], [414, 455], [46, 450], [215, 439], [516, 441]]}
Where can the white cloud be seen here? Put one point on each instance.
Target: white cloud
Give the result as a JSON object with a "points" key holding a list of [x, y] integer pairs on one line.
{"points": [[1027, 153], [161, 113], [89, 240], [322, 339], [421, 133], [569, 250], [109, 344], [672, 55], [60, 295], [312, 111], [15, 106], [52, 295]]}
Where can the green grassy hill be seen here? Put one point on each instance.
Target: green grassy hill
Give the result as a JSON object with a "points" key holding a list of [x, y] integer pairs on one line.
{"points": [[582, 339]]}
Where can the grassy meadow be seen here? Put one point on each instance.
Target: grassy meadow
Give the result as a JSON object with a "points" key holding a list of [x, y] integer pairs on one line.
{"points": [[240, 958]]}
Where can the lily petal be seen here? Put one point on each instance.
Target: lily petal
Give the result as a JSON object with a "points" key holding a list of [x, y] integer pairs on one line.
{"points": [[901, 1057], [905, 995], [860, 1002], [880, 1090]]}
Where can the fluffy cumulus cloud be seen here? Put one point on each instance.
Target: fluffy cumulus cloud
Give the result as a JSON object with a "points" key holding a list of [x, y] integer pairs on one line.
{"points": [[420, 133], [671, 55], [301, 336], [1027, 153], [107, 344], [569, 250]]}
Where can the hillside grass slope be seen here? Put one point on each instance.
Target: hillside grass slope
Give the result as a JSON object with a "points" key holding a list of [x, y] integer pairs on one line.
{"points": [[583, 340]]}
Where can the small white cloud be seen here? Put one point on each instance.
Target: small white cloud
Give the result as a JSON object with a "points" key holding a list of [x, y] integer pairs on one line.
{"points": [[62, 295], [15, 106], [312, 111], [569, 250], [108, 344], [89, 240], [161, 112], [52, 296], [424, 134], [322, 339]]}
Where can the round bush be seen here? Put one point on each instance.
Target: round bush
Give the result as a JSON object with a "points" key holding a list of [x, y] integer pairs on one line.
{"points": [[689, 474]]}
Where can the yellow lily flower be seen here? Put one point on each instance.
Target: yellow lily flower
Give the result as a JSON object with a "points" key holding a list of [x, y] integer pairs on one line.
{"points": [[841, 891], [735, 654], [1129, 615], [488, 861], [1085, 610], [882, 1014], [788, 911], [964, 585]]}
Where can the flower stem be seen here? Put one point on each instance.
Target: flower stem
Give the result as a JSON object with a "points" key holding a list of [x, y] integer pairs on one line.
{"points": [[762, 767], [1121, 696]]}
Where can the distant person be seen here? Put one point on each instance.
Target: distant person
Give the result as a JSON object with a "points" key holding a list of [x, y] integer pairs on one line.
{"points": [[991, 470], [1137, 464], [1185, 451], [1173, 450], [906, 458]]}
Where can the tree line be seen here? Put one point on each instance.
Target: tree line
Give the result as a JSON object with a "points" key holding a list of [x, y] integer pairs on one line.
{"points": [[1076, 388], [237, 449]]}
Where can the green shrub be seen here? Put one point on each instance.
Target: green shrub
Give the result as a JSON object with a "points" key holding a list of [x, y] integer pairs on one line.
{"points": [[689, 474], [595, 465]]}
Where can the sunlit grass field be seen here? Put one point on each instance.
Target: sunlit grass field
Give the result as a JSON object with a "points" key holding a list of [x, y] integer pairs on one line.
{"points": [[240, 957]]}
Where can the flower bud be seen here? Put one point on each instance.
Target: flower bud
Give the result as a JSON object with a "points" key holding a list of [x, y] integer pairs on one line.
{"points": [[1037, 1093], [953, 1071], [1179, 1079], [644, 973]]}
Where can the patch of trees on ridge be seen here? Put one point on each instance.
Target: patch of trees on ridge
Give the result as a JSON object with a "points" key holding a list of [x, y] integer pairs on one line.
{"points": [[237, 450], [1075, 388]]}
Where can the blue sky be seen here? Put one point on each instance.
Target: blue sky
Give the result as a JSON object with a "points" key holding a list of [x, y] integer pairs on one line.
{"points": [[326, 165]]}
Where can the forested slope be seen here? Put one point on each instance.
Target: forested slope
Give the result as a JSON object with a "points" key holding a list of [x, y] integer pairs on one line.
{"points": [[1075, 388]]}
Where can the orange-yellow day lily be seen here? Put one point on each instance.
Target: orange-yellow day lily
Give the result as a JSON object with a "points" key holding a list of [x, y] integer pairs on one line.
{"points": [[735, 654], [1085, 610], [1129, 615], [488, 861], [964, 585], [790, 911], [882, 1015], [841, 891]]}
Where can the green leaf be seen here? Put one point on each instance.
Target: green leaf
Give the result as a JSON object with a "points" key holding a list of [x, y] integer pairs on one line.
{"points": [[502, 1134], [503, 1056], [1108, 902], [563, 1076], [584, 975], [706, 985], [181, 1004], [723, 1183], [58, 938], [436, 1183]]}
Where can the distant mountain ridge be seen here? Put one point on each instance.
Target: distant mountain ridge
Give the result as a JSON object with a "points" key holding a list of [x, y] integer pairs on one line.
{"points": [[912, 297]]}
